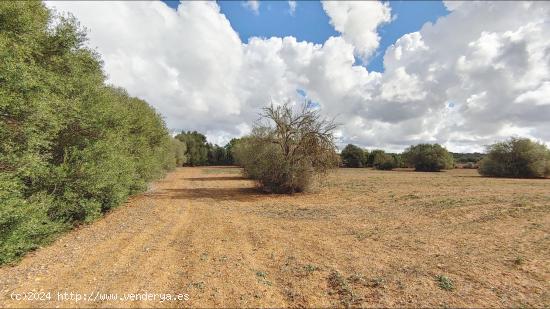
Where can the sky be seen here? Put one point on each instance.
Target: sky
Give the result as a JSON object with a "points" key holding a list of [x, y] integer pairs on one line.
{"points": [[462, 74]]}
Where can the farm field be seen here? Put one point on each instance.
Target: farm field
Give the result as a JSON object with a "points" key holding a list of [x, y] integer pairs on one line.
{"points": [[366, 238]]}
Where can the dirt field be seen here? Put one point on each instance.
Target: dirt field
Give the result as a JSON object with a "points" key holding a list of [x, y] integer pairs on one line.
{"points": [[367, 238]]}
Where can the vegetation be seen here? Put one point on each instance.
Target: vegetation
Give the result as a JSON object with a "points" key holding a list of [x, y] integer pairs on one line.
{"points": [[354, 156], [200, 152], [72, 147], [516, 157], [444, 282], [428, 157], [373, 155], [386, 161], [289, 151], [473, 157]]}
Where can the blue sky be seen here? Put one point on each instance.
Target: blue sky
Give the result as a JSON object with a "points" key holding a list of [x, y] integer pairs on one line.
{"points": [[310, 23]]}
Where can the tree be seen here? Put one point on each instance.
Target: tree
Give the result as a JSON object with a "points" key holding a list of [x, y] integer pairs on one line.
{"points": [[516, 157], [289, 150], [353, 156], [372, 156], [197, 148], [385, 161], [428, 157], [229, 149]]}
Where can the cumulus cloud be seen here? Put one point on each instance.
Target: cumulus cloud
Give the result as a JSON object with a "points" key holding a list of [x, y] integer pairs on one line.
{"points": [[358, 22], [479, 74]]}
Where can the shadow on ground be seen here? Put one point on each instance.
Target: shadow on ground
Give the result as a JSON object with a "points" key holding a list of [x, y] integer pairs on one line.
{"points": [[216, 178], [217, 194]]}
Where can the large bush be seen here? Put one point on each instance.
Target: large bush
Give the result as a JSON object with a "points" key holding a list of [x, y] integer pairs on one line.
{"points": [[353, 156], [516, 157], [71, 147], [428, 157], [385, 161], [287, 153]]}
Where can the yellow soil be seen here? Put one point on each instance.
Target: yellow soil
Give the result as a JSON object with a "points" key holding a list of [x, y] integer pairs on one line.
{"points": [[367, 238]]}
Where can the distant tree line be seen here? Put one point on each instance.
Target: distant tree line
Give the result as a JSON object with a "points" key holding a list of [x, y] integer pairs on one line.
{"points": [[354, 156], [423, 157], [515, 157], [200, 152]]}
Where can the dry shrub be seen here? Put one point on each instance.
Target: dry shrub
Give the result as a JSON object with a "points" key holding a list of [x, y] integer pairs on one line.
{"points": [[289, 150]]}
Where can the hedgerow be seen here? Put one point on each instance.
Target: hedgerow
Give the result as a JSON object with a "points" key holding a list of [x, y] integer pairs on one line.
{"points": [[71, 147]]}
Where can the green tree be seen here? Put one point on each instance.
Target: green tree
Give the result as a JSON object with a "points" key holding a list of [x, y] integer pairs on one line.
{"points": [[374, 156], [428, 157], [385, 161], [197, 147], [353, 156], [516, 157]]}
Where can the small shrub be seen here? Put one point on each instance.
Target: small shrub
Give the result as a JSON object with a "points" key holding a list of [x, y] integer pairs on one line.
{"points": [[428, 157], [445, 283], [516, 157]]}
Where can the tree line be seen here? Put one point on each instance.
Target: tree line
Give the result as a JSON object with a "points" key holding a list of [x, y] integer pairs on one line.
{"points": [[198, 151], [71, 147], [515, 157]]}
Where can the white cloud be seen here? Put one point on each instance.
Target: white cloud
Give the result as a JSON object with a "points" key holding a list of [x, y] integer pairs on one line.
{"points": [[476, 75], [358, 22], [253, 5], [292, 7]]}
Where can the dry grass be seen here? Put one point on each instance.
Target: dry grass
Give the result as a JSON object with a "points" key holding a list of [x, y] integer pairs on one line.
{"points": [[367, 238]]}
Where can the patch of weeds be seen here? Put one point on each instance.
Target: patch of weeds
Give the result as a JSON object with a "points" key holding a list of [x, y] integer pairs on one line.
{"points": [[309, 268], [197, 285], [340, 286], [204, 257], [262, 277], [359, 279], [410, 197], [223, 258], [523, 204], [445, 282], [361, 235], [519, 260], [377, 282]]}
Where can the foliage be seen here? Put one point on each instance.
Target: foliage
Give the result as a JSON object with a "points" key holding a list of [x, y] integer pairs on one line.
{"points": [[229, 149], [428, 157], [444, 282], [72, 147], [353, 156], [287, 153], [385, 161], [197, 147], [516, 157], [200, 152], [473, 157], [373, 155]]}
